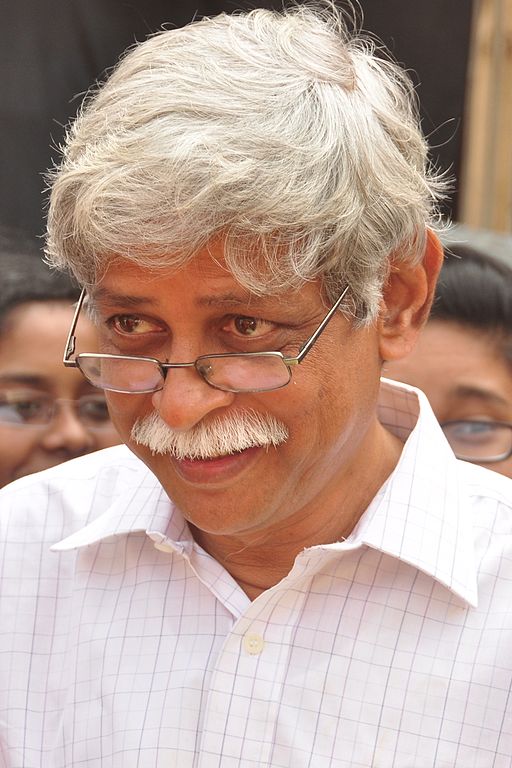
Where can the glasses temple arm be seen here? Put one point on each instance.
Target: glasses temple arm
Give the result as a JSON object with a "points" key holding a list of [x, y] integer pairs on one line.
{"points": [[309, 343], [71, 339]]}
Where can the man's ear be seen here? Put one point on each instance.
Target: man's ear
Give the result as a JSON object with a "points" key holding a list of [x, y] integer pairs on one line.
{"points": [[406, 301]]}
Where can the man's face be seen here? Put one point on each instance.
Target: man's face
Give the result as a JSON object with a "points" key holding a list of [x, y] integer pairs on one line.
{"points": [[328, 408]]}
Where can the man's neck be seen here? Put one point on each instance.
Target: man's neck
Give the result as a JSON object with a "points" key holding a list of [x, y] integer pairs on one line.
{"points": [[258, 560]]}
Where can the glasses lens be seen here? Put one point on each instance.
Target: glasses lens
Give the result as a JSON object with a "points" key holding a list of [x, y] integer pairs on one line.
{"points": [[93, 411], [484, 441], [121, 374], [25, 408], [244, 372]]}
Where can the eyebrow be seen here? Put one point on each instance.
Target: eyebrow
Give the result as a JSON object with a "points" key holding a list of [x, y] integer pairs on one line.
{"points": [[27, 379], [106, 295], [230, 300], [479, 393], [224, 300]]}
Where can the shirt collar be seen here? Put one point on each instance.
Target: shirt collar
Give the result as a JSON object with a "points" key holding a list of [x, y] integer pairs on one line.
{"points": [[144, 506], [420, 515]]}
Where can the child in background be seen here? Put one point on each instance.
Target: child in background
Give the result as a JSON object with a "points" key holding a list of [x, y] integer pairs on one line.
{"points": [[48, 414], [463, 358]]}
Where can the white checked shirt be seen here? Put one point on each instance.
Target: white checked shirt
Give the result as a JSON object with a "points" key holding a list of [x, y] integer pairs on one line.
{"points": [[127, 646]]}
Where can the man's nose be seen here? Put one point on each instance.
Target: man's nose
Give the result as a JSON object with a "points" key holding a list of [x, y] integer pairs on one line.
{"points": [[66, 433], [186, 399]]}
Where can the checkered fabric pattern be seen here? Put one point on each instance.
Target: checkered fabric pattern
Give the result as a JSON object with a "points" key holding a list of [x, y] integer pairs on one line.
{"points": [[124, 645]]}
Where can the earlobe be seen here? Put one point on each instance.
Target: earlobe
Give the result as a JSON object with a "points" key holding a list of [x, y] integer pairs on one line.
{"points": [[407, 298]]}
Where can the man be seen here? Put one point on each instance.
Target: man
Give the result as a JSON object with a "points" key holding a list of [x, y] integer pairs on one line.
{"points": [[292, 569]]}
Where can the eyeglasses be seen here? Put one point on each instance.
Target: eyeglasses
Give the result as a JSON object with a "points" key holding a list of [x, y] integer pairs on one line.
{"points": [[24, 408], [479, 441], [230, 372]]}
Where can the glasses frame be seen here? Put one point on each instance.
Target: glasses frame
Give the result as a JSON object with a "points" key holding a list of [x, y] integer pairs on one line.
{"points": [[55, 403], [478, 460], [165, 367]]}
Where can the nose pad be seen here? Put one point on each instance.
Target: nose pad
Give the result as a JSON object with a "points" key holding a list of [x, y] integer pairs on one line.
{"points": [[67, 434], [186, 398]]}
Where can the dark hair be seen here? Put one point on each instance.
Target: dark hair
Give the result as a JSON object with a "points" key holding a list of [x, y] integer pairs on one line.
{"points": [[475, 290], [25, 277]]}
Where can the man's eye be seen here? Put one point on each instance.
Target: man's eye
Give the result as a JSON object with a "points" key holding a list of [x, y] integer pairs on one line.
{"points": [[251, 326], [132, 324]]}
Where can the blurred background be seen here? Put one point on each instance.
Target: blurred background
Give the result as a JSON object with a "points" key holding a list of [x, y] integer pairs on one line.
{"points": [[458, 53]]}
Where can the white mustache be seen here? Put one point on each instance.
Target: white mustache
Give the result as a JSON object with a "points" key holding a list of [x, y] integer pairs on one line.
{"points": [[234, 432]]}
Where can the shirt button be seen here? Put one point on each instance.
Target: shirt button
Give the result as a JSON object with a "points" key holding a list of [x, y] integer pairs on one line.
{"points": [[253, 643], [163, 547]]}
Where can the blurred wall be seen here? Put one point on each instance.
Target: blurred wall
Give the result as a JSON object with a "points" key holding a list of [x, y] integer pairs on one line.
{"points": [[52, 50]]}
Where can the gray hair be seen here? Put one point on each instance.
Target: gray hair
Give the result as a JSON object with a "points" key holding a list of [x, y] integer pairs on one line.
{"points": [[281, 133]]}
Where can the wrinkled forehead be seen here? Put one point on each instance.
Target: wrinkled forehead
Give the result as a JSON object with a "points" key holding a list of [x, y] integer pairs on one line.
{"points": [[205, 279], [141, 271]]}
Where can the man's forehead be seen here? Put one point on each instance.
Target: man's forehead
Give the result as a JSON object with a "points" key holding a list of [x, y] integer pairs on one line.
{"points": [[205, 280], [239, 301], [209, 298], [147, 266]]}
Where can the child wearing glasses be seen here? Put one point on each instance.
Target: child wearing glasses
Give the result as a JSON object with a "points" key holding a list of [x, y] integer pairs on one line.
{"points": [[47, 414], [463, 359]]}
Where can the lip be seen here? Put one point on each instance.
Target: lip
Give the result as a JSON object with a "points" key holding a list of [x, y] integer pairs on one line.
{"points": [[213, 471]]}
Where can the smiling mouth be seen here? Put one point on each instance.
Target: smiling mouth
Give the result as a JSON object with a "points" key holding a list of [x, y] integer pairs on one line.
{"points": [[217, 469], [219, 456]]}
